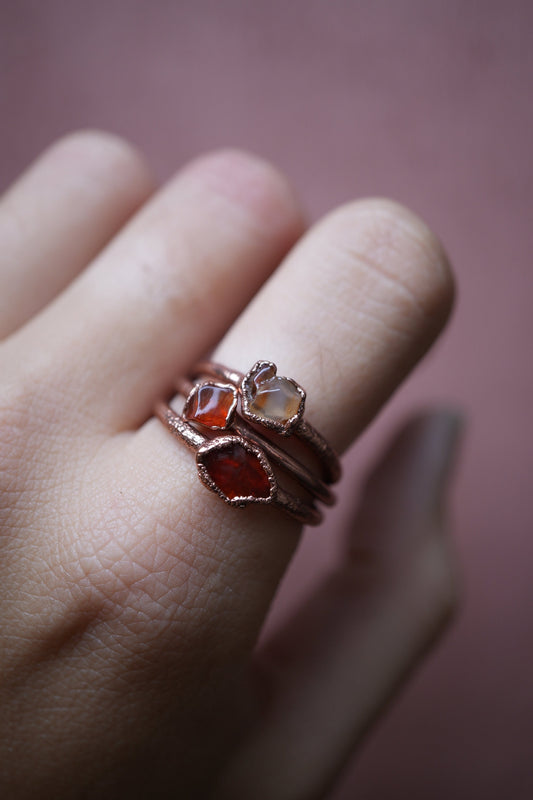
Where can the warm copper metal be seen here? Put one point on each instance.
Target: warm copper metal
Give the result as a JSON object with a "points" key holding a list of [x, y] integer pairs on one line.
{"points": [[298, 427], [302, 474], [223, 447], [200, 443]]}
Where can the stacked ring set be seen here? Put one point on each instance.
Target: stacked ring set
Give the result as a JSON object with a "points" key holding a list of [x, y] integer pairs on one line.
{"points": [[237, 425]]}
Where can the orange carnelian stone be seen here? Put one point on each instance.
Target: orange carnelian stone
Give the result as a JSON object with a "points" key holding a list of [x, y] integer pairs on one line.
{"points": [[210, 405], [237, 472]]}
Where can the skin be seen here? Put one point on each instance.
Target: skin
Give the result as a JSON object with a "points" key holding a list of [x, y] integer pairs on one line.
{"points": [[132, 598]]}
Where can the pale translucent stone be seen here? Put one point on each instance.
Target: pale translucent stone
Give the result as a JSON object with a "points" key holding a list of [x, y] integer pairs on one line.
{"points": [[276, 399]]}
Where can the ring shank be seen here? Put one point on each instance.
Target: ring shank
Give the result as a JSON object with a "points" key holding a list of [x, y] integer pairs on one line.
{"points": [[299, 510], [303, 430], [306, 478]]}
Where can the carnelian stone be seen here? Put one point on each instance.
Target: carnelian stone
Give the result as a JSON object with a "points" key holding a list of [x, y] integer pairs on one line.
{"points": [[210, 405], [237, 472]]}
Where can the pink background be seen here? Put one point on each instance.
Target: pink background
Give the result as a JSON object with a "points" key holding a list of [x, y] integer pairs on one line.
{"points": [[429, 101]]}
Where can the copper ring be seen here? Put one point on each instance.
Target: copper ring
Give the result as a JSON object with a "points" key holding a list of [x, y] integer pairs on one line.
{"points": [[314, 485], [256, 384], [225, 421]]}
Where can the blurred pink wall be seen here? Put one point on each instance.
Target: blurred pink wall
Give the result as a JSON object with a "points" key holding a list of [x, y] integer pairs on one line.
{"points": [[429, 101]]}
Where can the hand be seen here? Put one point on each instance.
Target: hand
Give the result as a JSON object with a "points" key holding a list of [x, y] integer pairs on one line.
{"points": [[132, 597]]}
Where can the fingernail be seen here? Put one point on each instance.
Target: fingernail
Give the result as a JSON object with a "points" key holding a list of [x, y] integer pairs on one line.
{"points": [[442, 436]]}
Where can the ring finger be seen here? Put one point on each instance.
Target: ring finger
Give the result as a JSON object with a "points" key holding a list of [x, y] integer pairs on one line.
{"points": [[351, 310]]}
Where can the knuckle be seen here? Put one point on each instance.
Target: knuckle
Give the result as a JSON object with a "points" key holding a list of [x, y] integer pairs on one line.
{"points": [[13, 400], [13, 424], [30, 420], [429, 272], [398, 246]]}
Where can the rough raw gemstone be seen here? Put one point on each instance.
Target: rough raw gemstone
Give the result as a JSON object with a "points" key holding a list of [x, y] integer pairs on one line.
{"points": [[237, 472], [210, 405], [272, 397]]}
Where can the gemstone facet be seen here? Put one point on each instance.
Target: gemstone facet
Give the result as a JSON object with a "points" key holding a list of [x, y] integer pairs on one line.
{"points": [[235, 469], [274, 401], [211, 404]]}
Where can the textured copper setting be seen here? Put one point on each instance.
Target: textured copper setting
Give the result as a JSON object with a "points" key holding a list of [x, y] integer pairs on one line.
{"points": [[222, 418], [211, 404], [279, 498], [313, 484], [237, 470], [296, 426], [277, 403]]}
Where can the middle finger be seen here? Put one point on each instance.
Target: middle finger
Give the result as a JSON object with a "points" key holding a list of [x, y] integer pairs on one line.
{"points": [[162, 292]]}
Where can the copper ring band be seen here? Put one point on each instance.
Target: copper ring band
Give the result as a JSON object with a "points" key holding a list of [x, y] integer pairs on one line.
{"points": [[304, 476], [235, 423], [202, 445], [299, 427]]}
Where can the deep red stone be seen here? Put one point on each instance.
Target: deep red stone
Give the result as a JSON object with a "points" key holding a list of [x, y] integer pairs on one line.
{"points": [[237, 472], [210, 406]]}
